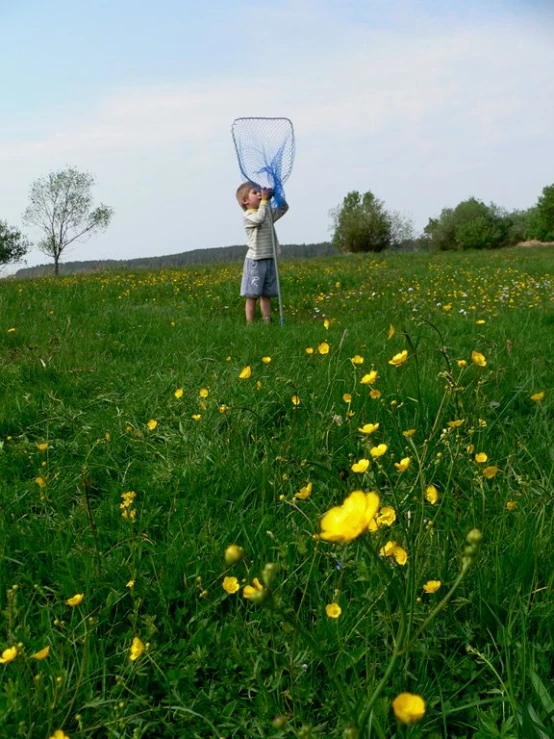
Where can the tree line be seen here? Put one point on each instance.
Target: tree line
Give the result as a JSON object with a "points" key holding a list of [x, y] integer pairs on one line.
{"points": [[362, 223]]}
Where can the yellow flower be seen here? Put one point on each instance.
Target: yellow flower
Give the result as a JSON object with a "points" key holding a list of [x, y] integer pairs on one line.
{"points": [[323, 348], [59, 734], [333, 610], [480, 321], [481, 458], [233, 554], [130, 584], [378, 451], [44, 445], [347, 398], [392, 549], [370, 379], [196, 416], [8, 655], [399, 359], [223, 408], [391, 331], [375, 393], [456, 424], [537, 397], [204, 392], [511, 504], [178, 393], [490, 472], [245, 373], [11, 330], [431, 586], [470, 448], [360, 466], [137, 648], [230, 585], [305, 492], [40, 481], [408, 433], [254, 591], [462, 363], [41, 654], [368, 428], [346, 522], [357, 359], [75, 600], [478, 359], [295, 400], [152, 424], [309, 350], [128, 498], [266, 360], [432, 495], [326, 323], [403, 465], [386, 517], [258, 385], [408, 708]]}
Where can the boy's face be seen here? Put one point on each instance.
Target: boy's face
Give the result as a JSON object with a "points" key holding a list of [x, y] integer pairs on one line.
{"points": [[253, 199]]}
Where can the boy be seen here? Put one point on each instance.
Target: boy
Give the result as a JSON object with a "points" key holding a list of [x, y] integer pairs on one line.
{"points": [[258, 276]]}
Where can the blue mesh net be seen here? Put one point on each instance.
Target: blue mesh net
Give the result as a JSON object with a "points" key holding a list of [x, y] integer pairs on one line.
{"points": [[265, 150]]}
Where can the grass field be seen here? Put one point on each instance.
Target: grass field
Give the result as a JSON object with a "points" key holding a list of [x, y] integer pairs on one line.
{"points": [[145, 429]]}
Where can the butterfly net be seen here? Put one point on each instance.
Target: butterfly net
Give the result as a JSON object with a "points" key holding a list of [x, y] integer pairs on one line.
{"points": [[265, 150]]}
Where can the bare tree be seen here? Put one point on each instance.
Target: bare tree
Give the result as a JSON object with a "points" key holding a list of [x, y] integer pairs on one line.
{"points": [[61, 207]]}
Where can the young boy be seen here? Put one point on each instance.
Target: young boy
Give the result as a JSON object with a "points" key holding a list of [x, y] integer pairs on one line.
{"points": [[258, 276]]}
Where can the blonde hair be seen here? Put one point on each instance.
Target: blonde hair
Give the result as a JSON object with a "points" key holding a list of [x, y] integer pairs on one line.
{"points": [[242, 192]]}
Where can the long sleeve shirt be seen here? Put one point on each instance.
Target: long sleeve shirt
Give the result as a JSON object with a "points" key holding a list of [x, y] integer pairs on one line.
{"points": [[259, 225]]}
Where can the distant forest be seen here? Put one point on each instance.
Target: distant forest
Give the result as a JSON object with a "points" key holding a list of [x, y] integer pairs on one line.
{"points": [[217, 255]]}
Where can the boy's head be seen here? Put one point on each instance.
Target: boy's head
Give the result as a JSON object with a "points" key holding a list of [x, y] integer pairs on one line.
{"points": [[243, 193]]}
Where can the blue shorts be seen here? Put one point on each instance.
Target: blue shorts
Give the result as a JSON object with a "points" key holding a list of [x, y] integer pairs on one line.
{"points": [[259, 278]]}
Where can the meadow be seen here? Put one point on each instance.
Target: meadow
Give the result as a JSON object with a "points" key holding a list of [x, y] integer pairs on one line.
{"points": [[342, 527]]}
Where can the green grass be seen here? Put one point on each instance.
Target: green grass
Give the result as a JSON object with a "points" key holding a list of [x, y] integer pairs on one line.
{"points": [[88, 361]]}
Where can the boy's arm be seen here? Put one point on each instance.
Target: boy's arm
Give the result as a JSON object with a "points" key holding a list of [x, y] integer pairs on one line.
{"points": [[256, 217]]}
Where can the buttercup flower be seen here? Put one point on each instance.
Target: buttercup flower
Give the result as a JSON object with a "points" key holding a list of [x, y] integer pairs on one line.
{"points": [[462, 363], [370, 379], [203, 392], [326, 324], [368, 428], [8, 655], [333, 610], [346, 522], [304, 492], [357, 359], [196, 416], [40, 481], [152, 424], [266, 360], [245, 373], [323, 348], [130, 584], [360, 466], [456, 423], [392, 331], [392, 549], [386, 517], [431, 586], [537, 397], [309, 350], [178, 393], [42, 446], [511, 504], [478, 359], [347, 398], [403, 465], [481, 458], [41, 654], [254, 591], [408, 433], [408, 708], [59, 734], [295, 400], [233, 554], [75, 600], [230, 585], [137, 648], [490, 472], [399, 358], [431, 494], [378, 451], [375, 393]]}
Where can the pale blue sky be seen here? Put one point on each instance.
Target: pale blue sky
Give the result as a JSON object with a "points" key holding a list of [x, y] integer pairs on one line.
{"points": [[424, 102]]}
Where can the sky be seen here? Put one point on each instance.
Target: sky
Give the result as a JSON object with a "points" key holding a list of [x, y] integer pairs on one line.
{"points": [[423, 102]]}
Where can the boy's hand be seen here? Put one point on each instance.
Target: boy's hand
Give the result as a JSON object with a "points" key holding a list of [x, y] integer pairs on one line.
{"points": [[267, 193]]}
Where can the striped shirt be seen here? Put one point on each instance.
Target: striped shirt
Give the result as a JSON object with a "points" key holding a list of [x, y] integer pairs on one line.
{"points": [[259, 225]]}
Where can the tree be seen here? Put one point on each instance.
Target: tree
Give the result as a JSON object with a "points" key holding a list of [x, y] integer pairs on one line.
{"points": [[61, 208], [470, 225], [541, 217], [13, 245], [361, 224]]}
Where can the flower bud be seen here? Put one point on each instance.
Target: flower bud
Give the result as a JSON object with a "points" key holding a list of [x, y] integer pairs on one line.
{"points": [[233, 554]]}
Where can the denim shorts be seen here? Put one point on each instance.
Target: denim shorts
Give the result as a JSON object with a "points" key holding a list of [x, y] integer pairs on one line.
{"points": [[259, 278]]}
